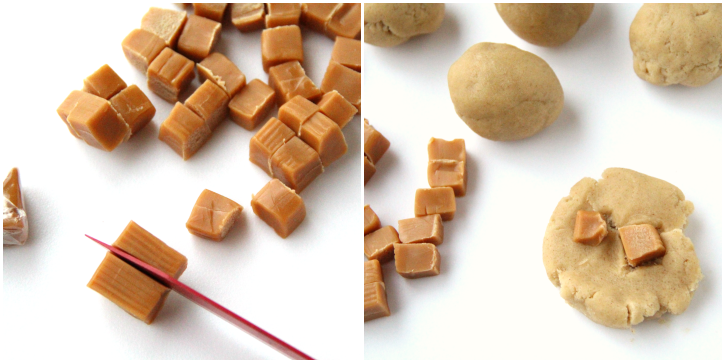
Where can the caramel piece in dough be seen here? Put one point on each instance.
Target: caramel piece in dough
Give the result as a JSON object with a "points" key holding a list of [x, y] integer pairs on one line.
{"points": [[589, 228], [641, 243]]}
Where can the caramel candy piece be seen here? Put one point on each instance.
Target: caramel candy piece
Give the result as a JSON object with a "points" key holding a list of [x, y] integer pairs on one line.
{"points": [[200, 35], [317, 16], [68, 105], [143, 245], [249, 107], [289, 80], [170, 74], [15, 221], [220, 70], [141, 47], [281, 45], [428, 229], [343, 80], [134, 108], [165, 23], [211, 11], [279, 207], [129, 288], [414, 260], [296, 111], [282, 14], [345, 22], [372, 222], [325, 137], [295, 164], [347, 52], [641, 243], [448, 173], [379, 244], [248, 17], [376, 301], [589, 228], [369, 168], [104, 83], [184, 131], [337, 108], [213, 215], [373, 272], [375, 143], [439, 149], [267, 141], [435, 201], [97, 123], [210, 103]]}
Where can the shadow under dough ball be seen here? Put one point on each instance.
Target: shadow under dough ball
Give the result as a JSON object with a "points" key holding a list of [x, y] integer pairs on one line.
{"points": [[388, 25], [504, 93], [547, 25], [677, 43]]}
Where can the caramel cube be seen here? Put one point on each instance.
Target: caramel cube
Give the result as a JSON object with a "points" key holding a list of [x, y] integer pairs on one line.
{"points": [[104, 83], [129, 288], [210, 103], [337, 108], [379, 244], [369, 168], [373, 272], [267, 141], [347, 52], [414, 260], [165, 23], [220, 70], [589, 228], [280, 207], [295, 164], [428, 229], [134, 107], [282, 14], [372, 222], [213, 216], [376, 301], [143, 245], [345, 22], [184, 131], [248, 17], [289, 80], [249, 107], [97, 123], [439, 149], [15, 220], [141, 47], [296, 111], [170, 74], [281, 45], [210, 11], [317, 16], [323, 135], [641, 243], [435, 201], [375, 144], [343, 80], [198, 38], [68, 105], [448, 173]]}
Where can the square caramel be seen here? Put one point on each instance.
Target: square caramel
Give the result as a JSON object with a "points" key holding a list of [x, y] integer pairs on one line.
{"points": [[280, 207], [439, 149], [415, 260], [379, 244], [373, 272], [376, 301], [140, 243], [141, 47], [199, 37], [375, 144], [104, 83], [347, 52], [135, 109], [317, 16], [212, 11], [372, 222], [435, 201], [170, 74], [345, 22], [213, 216], [296, 111], [220, 70], [344, 80], [428, 229], [281, 45], [210, 103], [267, 141], [589, 228], [448, 173], [323, 135], [68, 105], [97, 123], [184, 131], [289, 80], [641, 243], [248, 17], [295, 164], [252, 104], [337, 108], [369, 169], [281, 14], [165, 23]]}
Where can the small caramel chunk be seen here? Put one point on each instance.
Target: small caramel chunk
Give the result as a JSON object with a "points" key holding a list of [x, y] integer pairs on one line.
{"points": [[317, 16], [252, 104], [281, 45], [379, 244], [200, 35], [220, 70], [141, 48], [428, 229], [15, 220], [372, 222], [375, 143], [369, 168], [376, 301], [282, 14], [210, 10], [345, 22], [213, 216], [347, 52], [589, 228], [165, 23], [143, 245], [295, 164], [448, 173], [134, 107], [248, 17], [435, 201], [170, 74], [641, 243], [184, 131], [280, 207], [267, 141], [68, 105], [289, 80], [343, 80], [337, 108], [373, 272], [97, 123], [323, 135], [104, 83], [414, 260], [439, 149], [296, 111], [210, 103]]}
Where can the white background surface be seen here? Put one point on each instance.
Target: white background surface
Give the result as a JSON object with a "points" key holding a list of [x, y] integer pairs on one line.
{"points": [[296, 288], [492, 298]]}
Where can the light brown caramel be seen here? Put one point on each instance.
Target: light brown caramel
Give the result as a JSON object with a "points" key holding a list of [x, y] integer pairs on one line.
{"points": [[343, 80], [199, 37], [184, 131], [15, 220], [97, 123], [641, 243], [375, 144], [589, 228], [323, 135], [369, 168], [220, 70], [296, 111], [428, 229], [379, 244], [141, 47], [213, 216], [104, 83], [266, 141], [143, 245], [165, 23], [317, 16], [280, 207], [414, 260], [347, 52], [68, 105], [295, 164], [345, 22], [435, 201], [134, 108], [170, 74], [373, 272], [372, 222], [210, 103], [282, 14], [281, 45], [289, 80], [248, 17], [439, 149], [376, 301], [250, 106], [337, 108], [213, 11], [448, 173]]}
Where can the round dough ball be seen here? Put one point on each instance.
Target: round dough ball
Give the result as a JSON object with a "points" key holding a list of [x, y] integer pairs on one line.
{"points": [[547, 25], [504, 93], [677, 43], [597, 280], [387, 25]]}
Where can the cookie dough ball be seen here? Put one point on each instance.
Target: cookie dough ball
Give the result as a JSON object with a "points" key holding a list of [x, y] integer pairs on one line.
{"points": [[677, 43], [504, 93], [597, 280], [387, 25], [548, 25]]}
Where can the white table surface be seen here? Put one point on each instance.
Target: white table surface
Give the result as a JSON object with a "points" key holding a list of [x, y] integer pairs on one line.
{"points": [[296, 288], [492, 298]]}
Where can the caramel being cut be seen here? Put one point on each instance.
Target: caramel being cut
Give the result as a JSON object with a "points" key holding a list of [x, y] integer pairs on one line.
{"points": [[104, 83], [210, 103], [296, 164], [589, 228], [379, 244], [428, 229], [281, 45], [344, 80], [220, 70], [213, 216], [199, 37], [184, 131], [369, 169], [414, 260], [325, 137], [141, 48], [165, 23], [97, 123], [15, 220], [375, 144], [248, 17], [212, 11], [135, 109], [376, 301], [143, 245], [435, 201], [281, 14], [347, 52], [289, 80], [170, 74], [267, 141], [280, 207], [252, 104], [641, 243], [337, 108], [372, 222], [373, 272]]}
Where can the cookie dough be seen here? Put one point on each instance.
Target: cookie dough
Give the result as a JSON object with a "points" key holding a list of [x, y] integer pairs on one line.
{"points": [[677, 43], [504, 93], [387, 25], [547, 25], [596, 280]]}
